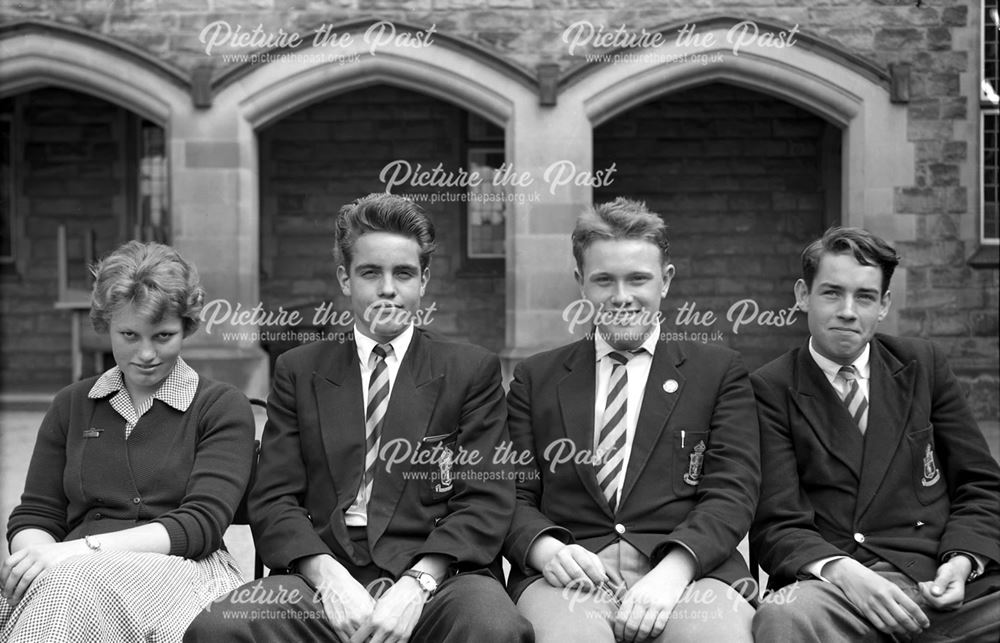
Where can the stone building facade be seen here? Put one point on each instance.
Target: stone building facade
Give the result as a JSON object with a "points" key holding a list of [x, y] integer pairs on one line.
{"points": [[235, 128]]}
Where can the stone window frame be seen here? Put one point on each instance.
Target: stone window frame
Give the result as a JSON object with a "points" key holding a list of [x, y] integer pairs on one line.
{"points": [[148, 181], [988, 253], [990, 111], [478, 142], [989, 226]]}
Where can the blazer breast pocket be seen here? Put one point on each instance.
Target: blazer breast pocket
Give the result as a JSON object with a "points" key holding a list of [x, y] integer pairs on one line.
{"points": [[689, 460], [437, 457], [928, 482]]}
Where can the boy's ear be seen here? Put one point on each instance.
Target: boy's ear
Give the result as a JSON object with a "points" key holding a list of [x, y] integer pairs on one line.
{"points": [[344, 279]]}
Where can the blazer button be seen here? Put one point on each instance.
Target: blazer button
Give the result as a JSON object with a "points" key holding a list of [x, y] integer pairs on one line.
{"points": [[136, 500], [98, 516], [859, 537], [620, 528]]}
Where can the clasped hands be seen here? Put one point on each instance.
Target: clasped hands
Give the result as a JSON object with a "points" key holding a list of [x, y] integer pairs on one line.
{"points": [[886, 606], [352, 611], [645, 607], [29, 563]]}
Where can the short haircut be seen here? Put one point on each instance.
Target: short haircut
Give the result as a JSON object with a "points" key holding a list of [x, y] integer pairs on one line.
{"points": [[151, 277], [382, 212], [866, 248], [619, 219]]}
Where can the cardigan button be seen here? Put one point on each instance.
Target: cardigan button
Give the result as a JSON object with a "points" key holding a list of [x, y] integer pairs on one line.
{"points": [[859, 538], [136, 500]]}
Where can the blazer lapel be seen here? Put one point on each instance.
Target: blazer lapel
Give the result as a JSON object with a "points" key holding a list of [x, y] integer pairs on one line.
{"points": [[576, 401], [826, 413], [657, 405], [342, 420], [890, 397], [412, 400]]}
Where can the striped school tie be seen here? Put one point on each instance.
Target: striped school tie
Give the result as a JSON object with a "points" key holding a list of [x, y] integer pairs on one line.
{"points": [[378, 402], [611, 438], [854, 399]]}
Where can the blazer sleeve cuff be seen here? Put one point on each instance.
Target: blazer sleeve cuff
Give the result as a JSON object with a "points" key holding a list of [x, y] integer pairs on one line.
{"points": [[288, 559], [661, 551], [559, 533], [973, 544], [815, 568], [978, 562]]}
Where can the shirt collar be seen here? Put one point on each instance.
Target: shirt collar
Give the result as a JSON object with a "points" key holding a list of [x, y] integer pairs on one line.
{"points": [[831, 368], [400, 343], [603, 348], [177, 389]]}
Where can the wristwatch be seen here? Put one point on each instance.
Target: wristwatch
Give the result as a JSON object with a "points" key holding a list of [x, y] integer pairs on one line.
{"points": [[976, 571], [92, 542], [425, 580]]}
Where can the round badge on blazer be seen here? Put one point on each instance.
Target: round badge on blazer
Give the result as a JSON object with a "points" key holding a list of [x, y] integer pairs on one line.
{"points": [[670, 386]]}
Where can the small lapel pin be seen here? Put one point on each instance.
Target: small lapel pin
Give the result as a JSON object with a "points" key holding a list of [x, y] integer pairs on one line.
{"points": [[920, 523], [670, 386], [92, 433]]}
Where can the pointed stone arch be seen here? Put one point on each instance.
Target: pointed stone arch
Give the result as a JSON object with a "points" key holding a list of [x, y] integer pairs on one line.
{"points": [[817, 75], [246, 99], [449, 68], [38, 54]]}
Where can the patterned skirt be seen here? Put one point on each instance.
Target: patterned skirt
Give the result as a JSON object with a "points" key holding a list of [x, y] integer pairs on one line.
{"points": [[118, 596]]}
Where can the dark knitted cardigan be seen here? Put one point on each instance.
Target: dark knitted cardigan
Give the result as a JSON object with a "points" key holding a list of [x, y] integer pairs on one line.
{"points": [[184, 470]]}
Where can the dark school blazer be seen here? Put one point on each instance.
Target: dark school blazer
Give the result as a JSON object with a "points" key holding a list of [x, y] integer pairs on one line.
{"points": [[693, 473], [920, 483], [446, 395]]}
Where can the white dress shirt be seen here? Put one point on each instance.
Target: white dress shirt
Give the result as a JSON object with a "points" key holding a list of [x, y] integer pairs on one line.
{"points": [[637, 369], [831, 369], [357, 514]]}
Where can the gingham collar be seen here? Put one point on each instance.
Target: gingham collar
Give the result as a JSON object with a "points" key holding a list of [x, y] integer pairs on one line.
{"points": [[177, 390]]}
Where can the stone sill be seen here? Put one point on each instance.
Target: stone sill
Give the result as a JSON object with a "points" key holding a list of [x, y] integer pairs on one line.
{"points": [[987, 256]]}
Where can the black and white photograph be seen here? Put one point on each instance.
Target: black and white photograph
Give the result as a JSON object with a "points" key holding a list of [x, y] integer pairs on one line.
{"points": [[499, 321]]}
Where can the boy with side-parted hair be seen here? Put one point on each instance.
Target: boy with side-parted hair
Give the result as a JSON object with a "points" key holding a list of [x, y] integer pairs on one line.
{"points": [[879, 515], [330, 511]]}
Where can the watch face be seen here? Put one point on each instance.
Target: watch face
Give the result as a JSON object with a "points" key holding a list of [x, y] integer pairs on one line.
{"points": [[425, 580]]}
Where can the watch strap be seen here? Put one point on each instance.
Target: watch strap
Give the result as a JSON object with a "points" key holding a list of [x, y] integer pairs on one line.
{"points": [[977, 568], [426, 581]]}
